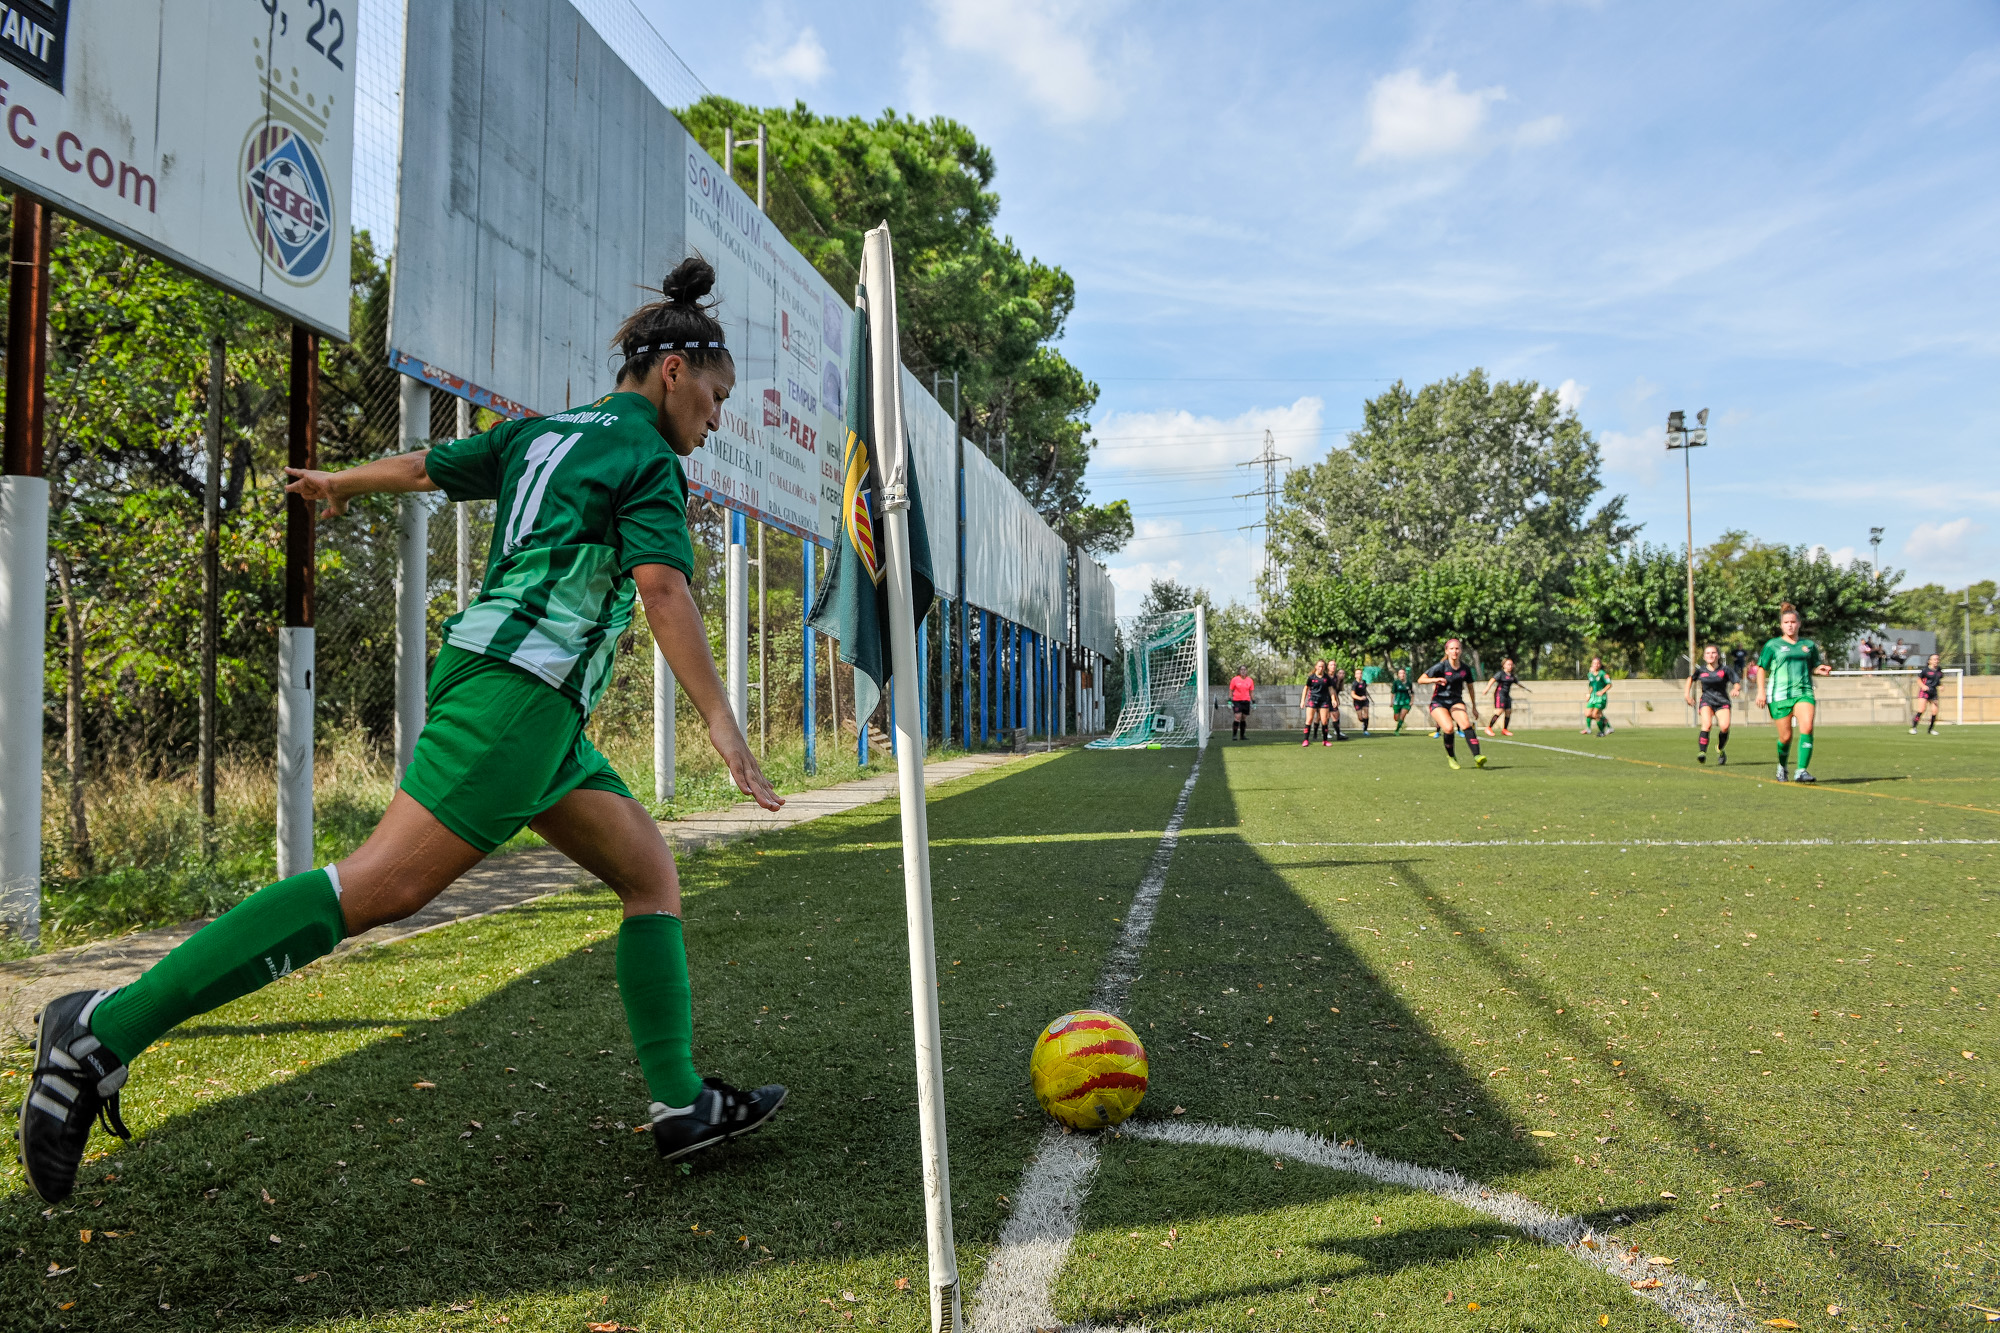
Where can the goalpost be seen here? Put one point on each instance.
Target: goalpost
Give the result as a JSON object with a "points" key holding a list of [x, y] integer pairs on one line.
{"points": [[1166, 684], [1905, 680]]}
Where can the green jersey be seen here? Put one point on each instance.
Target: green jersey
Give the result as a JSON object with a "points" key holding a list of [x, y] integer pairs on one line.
{"points": [[1399, 693], [1788, 669], [1600, 681], [584, 497]]}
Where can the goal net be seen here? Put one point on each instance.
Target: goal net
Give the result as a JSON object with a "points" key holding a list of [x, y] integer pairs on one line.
{"points": [[1163, 684]]}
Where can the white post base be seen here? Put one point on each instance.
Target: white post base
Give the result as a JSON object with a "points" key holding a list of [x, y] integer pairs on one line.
{"points": [[24, 601], [295, 751], [663, 727]]}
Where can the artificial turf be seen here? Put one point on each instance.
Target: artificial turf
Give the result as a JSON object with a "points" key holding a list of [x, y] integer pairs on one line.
{"points": [[1440, 1004]]}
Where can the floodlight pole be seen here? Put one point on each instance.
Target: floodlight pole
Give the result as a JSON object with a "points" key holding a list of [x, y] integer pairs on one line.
{"points": [[1875, 547], [1681, 438]]}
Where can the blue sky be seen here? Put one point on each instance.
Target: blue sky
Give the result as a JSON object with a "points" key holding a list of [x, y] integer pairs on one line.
{"points": [[1784, 213]]}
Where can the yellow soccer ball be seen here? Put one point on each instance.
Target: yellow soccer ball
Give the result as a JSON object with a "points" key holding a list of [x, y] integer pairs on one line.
{"points": [[1088, 1069]]}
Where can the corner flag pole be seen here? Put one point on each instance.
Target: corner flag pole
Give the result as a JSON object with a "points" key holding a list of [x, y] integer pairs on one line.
{"points": [[878, 275]]}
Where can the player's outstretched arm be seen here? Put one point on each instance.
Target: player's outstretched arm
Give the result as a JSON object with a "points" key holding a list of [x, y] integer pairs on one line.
{"points": [[404, 472], [677, 628]]}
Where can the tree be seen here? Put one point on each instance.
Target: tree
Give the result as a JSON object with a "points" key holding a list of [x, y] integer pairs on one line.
{"points": [[970, 303], [1497, 475], [1493, 613]]}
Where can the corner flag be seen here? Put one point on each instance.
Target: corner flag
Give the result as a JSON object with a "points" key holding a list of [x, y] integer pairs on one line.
{"points": [[853, 607]]}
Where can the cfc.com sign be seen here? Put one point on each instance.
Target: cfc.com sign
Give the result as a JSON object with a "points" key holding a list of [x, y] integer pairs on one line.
{"points": [[218, 134]]}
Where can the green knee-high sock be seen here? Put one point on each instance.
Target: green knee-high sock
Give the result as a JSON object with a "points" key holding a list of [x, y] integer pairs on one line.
{"points": [[1805, 751], [275, 931], [1784, 752], [659, 1005]]}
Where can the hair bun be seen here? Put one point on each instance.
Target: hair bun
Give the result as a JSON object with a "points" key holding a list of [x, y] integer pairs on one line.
{"points": [[692, 279]]}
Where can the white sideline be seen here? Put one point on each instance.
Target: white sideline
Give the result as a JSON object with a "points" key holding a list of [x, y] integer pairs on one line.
{"points": [[1659, 842], [1675, 1295], [1021, 1277]]}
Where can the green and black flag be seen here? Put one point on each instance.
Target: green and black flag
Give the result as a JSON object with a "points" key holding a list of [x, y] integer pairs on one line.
{"points": [[853, 606]]}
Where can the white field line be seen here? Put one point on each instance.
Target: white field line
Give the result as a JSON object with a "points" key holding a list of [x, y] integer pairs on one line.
{"points": [[1676, 1294], [1660, 842], [1016, 1295], [1552, 749]]}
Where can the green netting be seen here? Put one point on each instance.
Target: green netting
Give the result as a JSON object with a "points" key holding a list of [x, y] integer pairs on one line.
{"points": [[1161, 686]]}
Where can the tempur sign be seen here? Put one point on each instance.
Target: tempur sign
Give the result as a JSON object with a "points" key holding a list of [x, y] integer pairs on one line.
{"points": [[217, 134]]}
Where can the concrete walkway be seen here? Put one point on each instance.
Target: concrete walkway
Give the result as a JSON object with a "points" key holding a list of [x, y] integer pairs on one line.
{"points": [[503, 882]]}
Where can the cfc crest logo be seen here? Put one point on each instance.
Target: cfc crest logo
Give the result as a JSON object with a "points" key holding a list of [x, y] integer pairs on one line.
{"points": [[287, 203]]}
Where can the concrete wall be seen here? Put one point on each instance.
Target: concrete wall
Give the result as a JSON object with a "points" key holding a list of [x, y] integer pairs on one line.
{"points": [[1843, 700]]}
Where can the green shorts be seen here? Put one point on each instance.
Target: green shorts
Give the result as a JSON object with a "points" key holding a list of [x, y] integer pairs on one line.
{"points": [[1784, 709], [1596, 701], [498, 748]]}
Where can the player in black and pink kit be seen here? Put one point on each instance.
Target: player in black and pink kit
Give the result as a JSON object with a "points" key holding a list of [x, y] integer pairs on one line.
{"points": [[1504, 681], [1357, 694], [1314, 699], [1453, 706], [1929, 682], [1715, 681]]}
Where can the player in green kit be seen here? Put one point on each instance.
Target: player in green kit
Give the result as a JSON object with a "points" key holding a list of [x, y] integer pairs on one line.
{"points": [[1399, 697], [1593, 708], [1785, 671], [592, 508]]}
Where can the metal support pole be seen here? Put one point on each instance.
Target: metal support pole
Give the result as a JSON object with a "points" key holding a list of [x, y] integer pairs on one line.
{"points": [[211, 584], [296, 645], [663, 726], [462, 546], [985, 672], [944, 673], [736, 620], [1202, 709], [413, 549], [24, 574], [809, 723], [763, 623]]}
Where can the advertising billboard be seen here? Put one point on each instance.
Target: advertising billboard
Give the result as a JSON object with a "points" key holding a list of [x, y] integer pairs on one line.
{"points": [[216, 134]]}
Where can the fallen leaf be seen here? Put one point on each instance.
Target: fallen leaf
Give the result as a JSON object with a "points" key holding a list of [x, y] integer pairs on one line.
{"points": [[1650, 1284], [1604, 1321], [267, 1196], [275, 1241], [66, 1305], [1472, 1305], [423, 1083], [416, 1180], [902, 1284], [1779, 1323], [1455, 1134], [83, 1237], [1178, 1110], [305, 1277], [1542, 1133], [849, 1296], [54, 1271], [1833, 1310], [1665, 1195], [1968, 1055], [1658, 1259]]}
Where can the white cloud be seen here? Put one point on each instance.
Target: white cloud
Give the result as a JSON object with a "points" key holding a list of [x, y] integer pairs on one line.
{"points": [[1541, 130], [1842, 556], [1636, 454], [804, 62], [1410, 118], [1947, 544], [1176, 442], [1044, 44], [1225, 563], [1569, 395]]}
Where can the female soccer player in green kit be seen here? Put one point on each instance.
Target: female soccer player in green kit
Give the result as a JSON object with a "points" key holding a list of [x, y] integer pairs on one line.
{"points": [[1399, 697], [1785, 674], [592, 506], [1593, 708]]}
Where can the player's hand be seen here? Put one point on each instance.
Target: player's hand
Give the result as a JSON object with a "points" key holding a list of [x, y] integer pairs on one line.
{"points": [[314, 485], [748, 774]]}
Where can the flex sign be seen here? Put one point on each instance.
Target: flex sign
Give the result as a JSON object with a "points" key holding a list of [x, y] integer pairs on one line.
{"points": [[217, 134]]}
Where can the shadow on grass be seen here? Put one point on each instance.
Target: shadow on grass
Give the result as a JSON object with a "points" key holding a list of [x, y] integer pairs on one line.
{"points": [[484, 1150]]}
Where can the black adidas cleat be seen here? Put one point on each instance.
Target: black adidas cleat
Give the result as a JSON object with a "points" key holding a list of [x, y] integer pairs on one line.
{"points": [[1722, 758], [76, 1081], [719, 1113]]}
